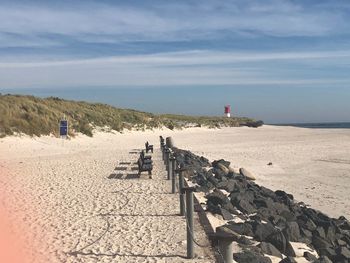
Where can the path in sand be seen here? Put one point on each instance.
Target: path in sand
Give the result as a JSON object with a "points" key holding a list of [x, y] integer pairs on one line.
{"points": [[84, 213]]}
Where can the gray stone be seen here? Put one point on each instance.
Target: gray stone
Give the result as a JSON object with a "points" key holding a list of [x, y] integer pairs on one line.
{"points": [[292, 231], [309, 257], [263, 231], [343, 253], [279, 241], [223, 168], [241, 228], [288, 260], [245, 207], [323, 259], [247, 174], [269, 249], [226, 215]]}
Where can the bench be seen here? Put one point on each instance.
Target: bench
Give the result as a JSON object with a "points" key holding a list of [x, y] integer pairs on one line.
{"points": [[145, 164], [149, 147], [143, 156]]}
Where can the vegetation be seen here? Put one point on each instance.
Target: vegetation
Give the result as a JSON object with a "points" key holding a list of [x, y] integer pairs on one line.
{"points": [[36, 116]]}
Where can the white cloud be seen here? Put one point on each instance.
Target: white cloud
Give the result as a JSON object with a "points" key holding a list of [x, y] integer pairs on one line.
{"points": [[178, 68], [185, 58], [169, 21]]}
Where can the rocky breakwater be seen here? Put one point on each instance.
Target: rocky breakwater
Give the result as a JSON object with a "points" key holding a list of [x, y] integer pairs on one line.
{"points": [[268, 225]]}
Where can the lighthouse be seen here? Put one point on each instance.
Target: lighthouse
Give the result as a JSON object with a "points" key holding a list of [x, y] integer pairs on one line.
{"points": [[227, 111]]}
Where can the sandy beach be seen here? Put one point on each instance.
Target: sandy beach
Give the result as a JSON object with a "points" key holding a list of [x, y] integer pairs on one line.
{"points": [[61, 202]]}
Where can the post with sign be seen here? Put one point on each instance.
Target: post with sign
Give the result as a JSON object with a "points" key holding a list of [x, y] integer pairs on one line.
{"points": [[64, 128]]}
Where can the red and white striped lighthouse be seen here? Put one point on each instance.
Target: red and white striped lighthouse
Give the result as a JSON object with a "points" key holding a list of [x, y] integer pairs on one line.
{"points": [[228, 111]]}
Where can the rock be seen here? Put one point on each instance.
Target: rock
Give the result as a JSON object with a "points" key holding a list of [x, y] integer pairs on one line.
{"points": [[217, 198], [212, 179], [330, 233], [323, 259], [320, 232], [245, 207], [278, 221], [229, 185], [248, 196], [289, 216], [247, 174], [309, 225], [279, 241], [223, 168], [287, 219], [235, 170], [292, 231], [270, 163], [319, 242], [289, 250], [247, 256], [216, 163], [269, 249], [309, 257], [225, 229], [260, 202], [241, 228], [244, 241], [265, 212], [283, 197], [229, 207], [341, 242], [288, 260], [306, 233], [226, 215], [263, 231], [343, 253]]}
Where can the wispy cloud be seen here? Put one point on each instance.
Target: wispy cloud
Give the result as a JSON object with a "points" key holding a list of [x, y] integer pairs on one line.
{"points": [[187, 20], [177, 68], [81, 43], [195, 57]]}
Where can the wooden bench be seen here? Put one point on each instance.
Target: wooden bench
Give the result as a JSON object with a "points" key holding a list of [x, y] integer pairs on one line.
{"points": [[145, 164], [143, 156], [149, 147]]}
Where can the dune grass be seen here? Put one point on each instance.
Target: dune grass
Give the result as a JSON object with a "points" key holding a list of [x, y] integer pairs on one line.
{"points": [[36, 116]]}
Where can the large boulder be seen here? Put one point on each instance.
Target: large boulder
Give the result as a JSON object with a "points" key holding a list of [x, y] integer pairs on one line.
{"points": [[248, 256], [234, 170], [217, 198], [241, 228], [269, 249], [246, 207], [323, 259], [226, 215], [247, 174], [343, 254], [216, 163], [263, 231], [292, 231], [309, 257], [223, 168], [229, 185], [281, 243], [288, 260]]}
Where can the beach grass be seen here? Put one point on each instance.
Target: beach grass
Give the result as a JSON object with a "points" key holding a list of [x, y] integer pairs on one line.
{"points": [[35, 116]]}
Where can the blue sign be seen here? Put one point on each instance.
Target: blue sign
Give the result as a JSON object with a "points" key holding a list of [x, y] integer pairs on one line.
{"points": [[63, 128]]}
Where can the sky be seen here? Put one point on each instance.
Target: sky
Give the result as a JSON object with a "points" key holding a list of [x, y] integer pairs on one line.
{"points": [[276, 60]]}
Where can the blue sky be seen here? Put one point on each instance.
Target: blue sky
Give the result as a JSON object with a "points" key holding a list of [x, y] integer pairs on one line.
{"points": [[270, 52]]}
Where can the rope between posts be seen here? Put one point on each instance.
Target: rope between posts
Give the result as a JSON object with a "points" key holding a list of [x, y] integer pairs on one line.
{"points": [[192, 237], [188, 229]]}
